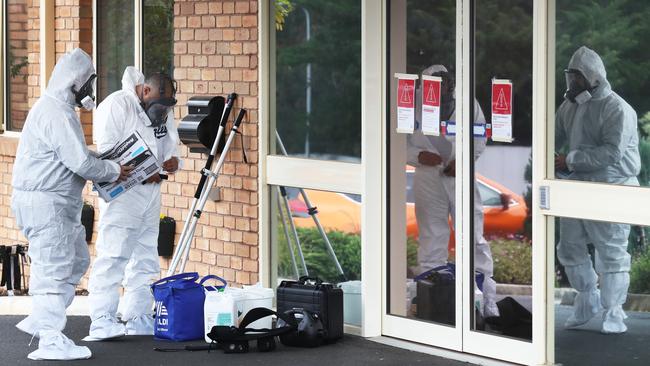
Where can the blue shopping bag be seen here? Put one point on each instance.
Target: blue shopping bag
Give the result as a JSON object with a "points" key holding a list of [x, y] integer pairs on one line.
{"points": [[179, 307]]}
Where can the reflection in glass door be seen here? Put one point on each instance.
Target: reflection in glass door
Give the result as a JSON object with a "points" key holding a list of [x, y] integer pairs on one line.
{"points": [[422, 246], [459, 254], [501, 157]]}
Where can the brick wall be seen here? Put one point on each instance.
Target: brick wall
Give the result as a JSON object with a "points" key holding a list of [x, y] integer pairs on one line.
{"points": [[215, 47], [19, 36], [73, 27]]}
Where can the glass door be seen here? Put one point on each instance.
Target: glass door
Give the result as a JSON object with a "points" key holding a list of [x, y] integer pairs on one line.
{"points": [[460, 260], [597, 177], [498, 156], [423, 292]]}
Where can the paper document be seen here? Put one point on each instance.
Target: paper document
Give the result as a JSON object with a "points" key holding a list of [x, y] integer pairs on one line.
{"points": [[132, 151]]}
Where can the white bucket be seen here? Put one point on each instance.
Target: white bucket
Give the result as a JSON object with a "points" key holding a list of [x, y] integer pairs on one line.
{"points": [[251, 297], [351, 302]]}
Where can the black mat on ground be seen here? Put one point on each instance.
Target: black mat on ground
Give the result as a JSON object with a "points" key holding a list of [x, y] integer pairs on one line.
{"points": [[139, 351]]}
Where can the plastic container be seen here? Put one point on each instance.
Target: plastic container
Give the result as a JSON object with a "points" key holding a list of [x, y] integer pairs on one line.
{"points": [[251, 297], [219, 309], [351, 302]]}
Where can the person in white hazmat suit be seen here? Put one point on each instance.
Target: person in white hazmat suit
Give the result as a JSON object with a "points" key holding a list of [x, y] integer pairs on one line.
{"points": [[128, 225], [598, 129], [434, 188], [50, 171]]}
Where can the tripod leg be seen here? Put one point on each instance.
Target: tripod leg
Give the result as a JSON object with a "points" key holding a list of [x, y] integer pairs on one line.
{"points": [[286, 235], [293, 228], [180, 249], [208, 180], [313, 213]]}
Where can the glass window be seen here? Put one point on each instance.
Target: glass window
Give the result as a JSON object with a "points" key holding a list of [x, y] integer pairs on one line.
{"points": [[603, 273], [115, 44], [158, 36], [602, 72], [18, 32], [316, 107], [299, 247]]}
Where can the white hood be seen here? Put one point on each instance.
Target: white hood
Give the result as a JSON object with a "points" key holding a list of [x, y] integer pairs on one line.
{"points": [[131, 78], [592, 67], [73, 69]]}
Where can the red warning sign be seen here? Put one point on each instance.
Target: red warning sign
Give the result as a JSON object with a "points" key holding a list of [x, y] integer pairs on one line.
{"points": [[501, 98], [500, 126], [431, 92], [406, 93]]}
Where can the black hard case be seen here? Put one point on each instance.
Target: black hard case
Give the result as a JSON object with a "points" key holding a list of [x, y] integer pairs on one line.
{"points": [[315, 296]]}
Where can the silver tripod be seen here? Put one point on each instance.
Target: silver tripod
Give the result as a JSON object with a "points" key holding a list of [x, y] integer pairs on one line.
{"points": [[208, 178], [283, 202]]}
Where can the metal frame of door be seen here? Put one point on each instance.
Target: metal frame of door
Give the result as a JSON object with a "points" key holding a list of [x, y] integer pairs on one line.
{"points": [[462, 337]]}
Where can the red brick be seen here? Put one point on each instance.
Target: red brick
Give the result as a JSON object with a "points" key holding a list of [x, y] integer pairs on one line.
{"points": [[242, 7], [215, 7], [201, 8], [223, 21], [228, 7], [194, 22], [208, 21], [249, 21]]}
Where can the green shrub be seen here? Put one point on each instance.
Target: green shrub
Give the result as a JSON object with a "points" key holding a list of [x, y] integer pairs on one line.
{"points": [[512, 261], [317, 258], [640, 273]]}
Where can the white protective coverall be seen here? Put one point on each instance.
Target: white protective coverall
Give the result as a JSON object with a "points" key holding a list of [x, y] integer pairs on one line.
{"points": [[128, 225], [602, 140], [51, 168], [435, 200]]}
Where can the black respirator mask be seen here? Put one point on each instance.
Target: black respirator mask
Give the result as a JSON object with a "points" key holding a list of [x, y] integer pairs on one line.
{"points": [[158, 109], [85, 96], [578, 88]]}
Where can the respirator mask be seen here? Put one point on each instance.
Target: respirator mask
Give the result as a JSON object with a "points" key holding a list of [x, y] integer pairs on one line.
{"points": [[85, 96], [578, 88], [158, 108]]}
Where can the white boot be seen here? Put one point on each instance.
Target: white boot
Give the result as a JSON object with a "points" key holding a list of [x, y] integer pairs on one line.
{"points": [[140, 325], [490, 308], [613, 321], [585, 306], [105, 328], [587, 303], [614, 293], [53, 345]]}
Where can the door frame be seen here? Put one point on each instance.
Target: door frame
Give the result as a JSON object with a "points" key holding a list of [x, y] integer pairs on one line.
{"points": [[462, 338]]}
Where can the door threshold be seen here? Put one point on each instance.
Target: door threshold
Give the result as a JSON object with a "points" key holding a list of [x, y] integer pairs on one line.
{"points": [[440, 352]]}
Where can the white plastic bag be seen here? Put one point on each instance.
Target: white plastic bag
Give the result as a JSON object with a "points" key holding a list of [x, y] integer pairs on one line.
{"points": [[219, 309]]}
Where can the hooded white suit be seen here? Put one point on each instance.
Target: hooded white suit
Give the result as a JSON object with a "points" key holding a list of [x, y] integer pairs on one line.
{"points": [[435, 201], [602, 140], [128, 225], [51, 168]]}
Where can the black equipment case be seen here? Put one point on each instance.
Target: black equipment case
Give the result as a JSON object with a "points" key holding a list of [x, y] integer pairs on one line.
{"points": [[312, 294]]}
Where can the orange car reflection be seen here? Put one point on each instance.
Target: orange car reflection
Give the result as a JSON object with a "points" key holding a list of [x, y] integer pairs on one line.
{"points": [[504, 211]]}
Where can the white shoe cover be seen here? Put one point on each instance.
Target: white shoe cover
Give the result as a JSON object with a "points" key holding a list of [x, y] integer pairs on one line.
{"points": [[105, 328], [490, 309], [585, 306], [53, 345], [613, 321], [27, 325], [141, 325]]}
